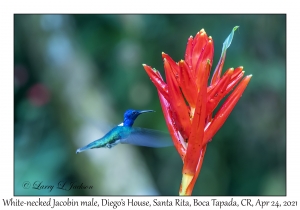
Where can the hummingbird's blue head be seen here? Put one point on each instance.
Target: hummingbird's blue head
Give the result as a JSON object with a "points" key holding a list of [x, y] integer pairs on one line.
{"points": [[130, 115]]}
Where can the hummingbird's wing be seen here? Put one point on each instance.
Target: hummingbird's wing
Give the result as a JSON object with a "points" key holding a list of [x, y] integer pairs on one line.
{"points": [[147, 138]]}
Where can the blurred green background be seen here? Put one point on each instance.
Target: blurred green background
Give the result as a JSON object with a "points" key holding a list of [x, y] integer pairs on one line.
{"points": [[75, 75]]}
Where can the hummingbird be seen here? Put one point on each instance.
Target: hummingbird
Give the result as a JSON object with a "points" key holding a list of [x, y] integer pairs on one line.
{"points": [[124, 133]]}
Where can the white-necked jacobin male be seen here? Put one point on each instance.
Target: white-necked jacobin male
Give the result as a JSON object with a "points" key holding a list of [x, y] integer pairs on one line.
{"points": [[126, 134]]}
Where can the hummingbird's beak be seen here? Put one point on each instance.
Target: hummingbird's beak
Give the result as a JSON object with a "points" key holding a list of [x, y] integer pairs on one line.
{"points": [[145, 111]]}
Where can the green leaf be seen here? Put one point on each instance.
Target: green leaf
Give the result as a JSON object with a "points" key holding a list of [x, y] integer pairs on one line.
{"points": [[228, 41]]}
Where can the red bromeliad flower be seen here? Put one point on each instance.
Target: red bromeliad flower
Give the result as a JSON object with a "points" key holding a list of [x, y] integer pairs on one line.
{"points": [[188, 101]]}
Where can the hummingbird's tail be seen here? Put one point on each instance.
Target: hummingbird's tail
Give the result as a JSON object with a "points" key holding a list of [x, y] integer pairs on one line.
{"points": [[89, 146]]}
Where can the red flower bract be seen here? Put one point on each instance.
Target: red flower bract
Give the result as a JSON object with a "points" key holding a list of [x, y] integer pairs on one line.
{"points": [[188, 102]]}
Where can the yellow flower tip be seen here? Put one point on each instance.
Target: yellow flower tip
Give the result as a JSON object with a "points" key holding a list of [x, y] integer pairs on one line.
{"points": [[181, 61], [210, 37], [144, 64], [185, 182], [247, 78], [236, 27], [242, 67], [243, 72], [202, 30], [231, 70], [163, 53], [191, 37]]}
